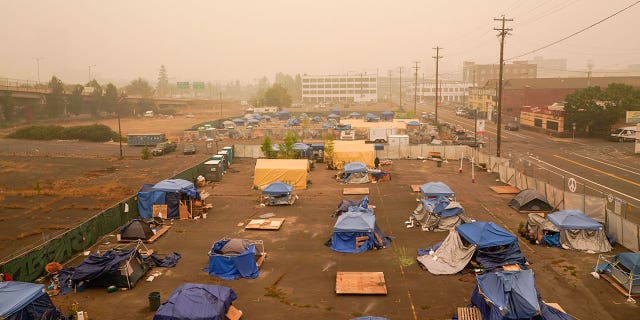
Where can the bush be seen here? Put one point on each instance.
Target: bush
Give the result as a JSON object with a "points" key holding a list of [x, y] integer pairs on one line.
{"points": [[93, 133], [146, 153]]}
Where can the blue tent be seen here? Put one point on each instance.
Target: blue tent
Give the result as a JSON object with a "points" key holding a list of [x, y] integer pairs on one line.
{"points": [[353, 224], [573, 219], [485, 234], [439, 207], [335, 111], [316, 119], [435, 189], [353, 167], [333, 116], [232, 259], [631, 260], [371, 117], [283, 115], [277, 188], [26, 301], [511, 295], [167, 192], [354, 115], [292, 122], [413, 123], [304, 150], [194, 301], [386, 115], [238, 121], [253, 121]]}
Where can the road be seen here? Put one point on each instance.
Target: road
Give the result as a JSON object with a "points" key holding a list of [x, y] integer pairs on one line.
{"points": [[595, 164]]}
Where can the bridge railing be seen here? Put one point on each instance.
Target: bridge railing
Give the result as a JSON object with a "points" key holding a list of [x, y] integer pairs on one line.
{"points": [[9, 84]]}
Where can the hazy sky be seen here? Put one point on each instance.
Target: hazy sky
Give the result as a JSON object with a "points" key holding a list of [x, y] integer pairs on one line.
{"points": [[220, 41]]}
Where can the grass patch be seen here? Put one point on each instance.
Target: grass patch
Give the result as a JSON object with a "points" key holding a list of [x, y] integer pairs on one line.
{"points": [[425, 307], [403, 257]]}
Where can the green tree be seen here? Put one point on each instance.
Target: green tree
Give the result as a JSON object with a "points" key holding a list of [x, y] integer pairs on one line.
{"points": [[8, 105], [94, 101], [328, 151], [267, 148], [286, 148], [139, 87], [55, 99], [76, 103], [277, 96], [110, 98], [162, 88]]}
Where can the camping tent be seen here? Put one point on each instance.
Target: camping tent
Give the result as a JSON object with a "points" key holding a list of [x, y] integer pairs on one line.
{"points": [[136, 229], [530, 200], [539, 228], [356, 231], [579, 232], [352, 151], [303, 150], [291, 171], [354, 115], [436, 189], [511, 295], [344, 205], [194, 301], [437, 214], [26, 301], [624, 268], [168, 192], [278, 193], [370, 117], [487, 243], [232, 259], [386, 115], [355, 172]]}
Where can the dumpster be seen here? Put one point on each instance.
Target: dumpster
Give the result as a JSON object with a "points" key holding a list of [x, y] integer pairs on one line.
{"points": [[230, 152], [225, 154], [220, 158], [212, 170]]}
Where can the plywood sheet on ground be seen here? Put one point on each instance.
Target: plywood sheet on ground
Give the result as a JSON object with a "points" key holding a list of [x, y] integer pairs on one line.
{"points": [[505, 189], [415, 187], [616, 285], [469, 313], [233, 313], [360, 283], [265, 224], [153, 238], [355, 191]]}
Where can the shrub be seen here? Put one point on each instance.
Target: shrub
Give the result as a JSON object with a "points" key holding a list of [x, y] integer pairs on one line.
{"points": [[93, 133]]}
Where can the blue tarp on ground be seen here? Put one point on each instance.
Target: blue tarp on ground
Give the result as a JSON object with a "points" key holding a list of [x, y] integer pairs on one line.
{"points": [[345, 204], [232, 259], [485, 234], [147, 197], [573, 219], [354, 167], [193, 301], [26, 301], [434, 189], [277, 188]]}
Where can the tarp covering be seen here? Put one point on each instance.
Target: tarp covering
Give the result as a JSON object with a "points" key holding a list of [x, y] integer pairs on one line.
{"points": [[353, 224], [530, 200], [631, 261], [26, 301], [434, 189], [353, 167], [353, 151], [573, 219], [232, 259], [451, 257], [193, 301], [167, 192], [438, 214], [344, 205], [580, 232], [498, 256], [290, 171], [277, 188], [147, 197], [485, 234]]}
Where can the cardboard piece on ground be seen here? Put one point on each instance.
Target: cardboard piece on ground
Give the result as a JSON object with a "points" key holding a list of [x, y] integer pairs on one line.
{"points": [[160, 210], [265, 224], [233, 313], [505, 189], [360, 283], [260, 259], [511, 267], [184, 212], [153, 238], [555, 306], [469, 313], [355, 191], [361, 240], [415, 187]]}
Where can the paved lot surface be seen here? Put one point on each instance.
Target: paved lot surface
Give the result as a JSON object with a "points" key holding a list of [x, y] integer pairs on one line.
{"points": [[297, 281]]}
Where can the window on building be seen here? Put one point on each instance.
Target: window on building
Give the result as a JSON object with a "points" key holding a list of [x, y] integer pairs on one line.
{"points": [[537, 122], [552, 125]]}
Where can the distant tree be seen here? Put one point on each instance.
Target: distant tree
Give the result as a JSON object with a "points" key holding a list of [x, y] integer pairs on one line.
{"points": [[286, 148], [76, 104], [328, 151], [55, 99], [139, 87], [110, 98], [297, 93], [595, 110], [94, 103], [8, 105], [162, 88], [277, 96], [267, 148]]}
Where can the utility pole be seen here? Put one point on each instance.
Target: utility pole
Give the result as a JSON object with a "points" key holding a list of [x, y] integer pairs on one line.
{"points": [[437, 57], [390, 88], [400, 87], [220, 103], [503, 32], [38, 67], [415, 88]]}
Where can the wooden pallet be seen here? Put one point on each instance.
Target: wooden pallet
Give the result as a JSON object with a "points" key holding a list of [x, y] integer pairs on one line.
{"points": [[469, 313], [265, 224], [360, 283], [505, 189], [355, 191], [153, 238]]}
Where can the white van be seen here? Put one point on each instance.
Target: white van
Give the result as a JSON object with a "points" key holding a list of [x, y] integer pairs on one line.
{"points": [[623, 134], [148, 113]]}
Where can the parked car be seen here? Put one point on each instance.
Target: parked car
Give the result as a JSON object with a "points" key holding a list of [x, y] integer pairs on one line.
{"points": [[189, 148], [163, 148], [467, 141], [512, 126]]}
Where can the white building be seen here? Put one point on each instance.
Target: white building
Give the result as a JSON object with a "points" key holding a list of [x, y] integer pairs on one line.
{"points": [[449, 91], [352, 88]]}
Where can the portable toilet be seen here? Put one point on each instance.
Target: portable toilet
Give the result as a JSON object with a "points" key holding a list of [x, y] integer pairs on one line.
{"points": [[225, 154], [223, 165], [230, 153], [213, 170]]}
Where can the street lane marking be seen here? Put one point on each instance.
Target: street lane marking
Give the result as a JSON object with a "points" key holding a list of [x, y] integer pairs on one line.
{"points": [[606, 163], [598, 170]]}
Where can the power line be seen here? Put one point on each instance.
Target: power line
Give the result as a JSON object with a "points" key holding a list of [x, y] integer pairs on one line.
{"points": [[575, 33]]}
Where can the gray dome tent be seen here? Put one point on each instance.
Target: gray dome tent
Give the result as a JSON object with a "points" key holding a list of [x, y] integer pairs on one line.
{"points": [[136, 229], [530, 200]]}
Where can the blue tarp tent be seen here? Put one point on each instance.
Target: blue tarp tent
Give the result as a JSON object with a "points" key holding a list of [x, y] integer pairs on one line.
{"points": [[335, 111], [316, 119], [292, 122], [283, 115], [355, 172], [495, 247], [573, 219], [303, 149], [354, 115], [26, 301], [238, 121], [232, 259], [194, 301], [277, 188], [253, 121], [435, 189], [413, 123], [351, 226], [167, 192], [371, 117], [333, 116], [511, 295], [386, 115], [353, 167], [579, 232]]}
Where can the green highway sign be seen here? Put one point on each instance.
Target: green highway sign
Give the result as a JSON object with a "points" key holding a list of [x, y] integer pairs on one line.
{"points": [[183, 85], [198, 85]]}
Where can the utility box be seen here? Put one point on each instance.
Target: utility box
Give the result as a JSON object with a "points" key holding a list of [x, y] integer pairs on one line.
{"points": [[398, 146], [229, 153], [225, 154], [212, 170], [223, 165]]}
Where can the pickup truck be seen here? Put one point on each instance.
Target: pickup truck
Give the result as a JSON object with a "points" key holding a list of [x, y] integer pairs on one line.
{"points": [[163, 148]]}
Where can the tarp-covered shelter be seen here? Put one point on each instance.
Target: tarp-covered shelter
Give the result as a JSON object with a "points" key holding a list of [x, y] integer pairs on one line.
{"points": [[530, 200], [579, 232], [238, 121], [316, 119], [386, 115], [485, 242], [302, 149], [292, 122], [283, 115], [26, 301], [136, 229], [291, 171], [356, 231], [436, 189], [194, 301], [624, 268], [335, 111], [413, 123], [168, 192], [355, 172], [345, 204], [334, 116], [370, 117], [541, 230], [437, 214], [278, 193], [352, 151], [354, 115], [511, 295], [233, 258]]}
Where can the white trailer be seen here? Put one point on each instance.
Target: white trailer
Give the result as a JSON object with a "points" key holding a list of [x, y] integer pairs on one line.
{"points": [[380, 135]]}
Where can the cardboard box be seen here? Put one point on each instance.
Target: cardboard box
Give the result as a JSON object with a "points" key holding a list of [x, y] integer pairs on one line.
{"points": [[160, 210]]}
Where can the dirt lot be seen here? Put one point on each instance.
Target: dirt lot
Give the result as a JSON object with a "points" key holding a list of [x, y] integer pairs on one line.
{"points": [[297, 280]]}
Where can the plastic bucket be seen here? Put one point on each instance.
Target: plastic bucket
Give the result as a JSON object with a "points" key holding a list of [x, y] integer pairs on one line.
{"points": [[154, 300]]}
